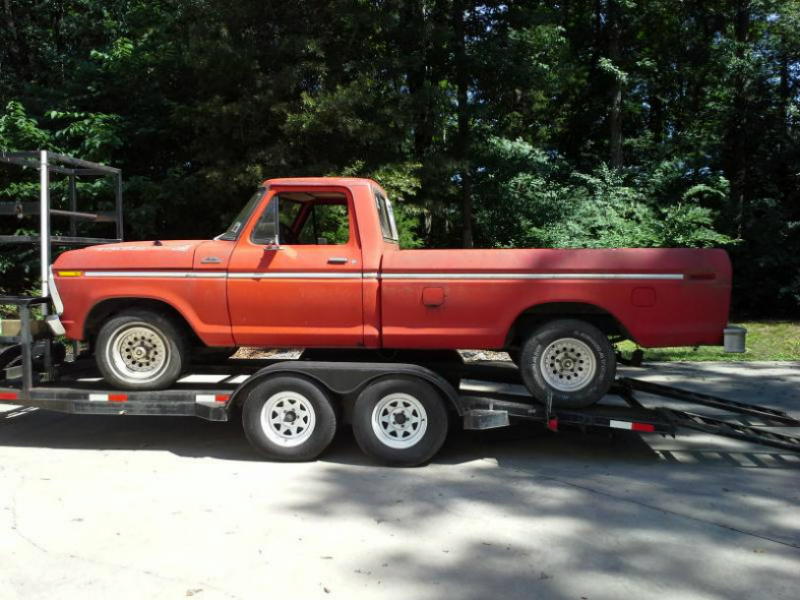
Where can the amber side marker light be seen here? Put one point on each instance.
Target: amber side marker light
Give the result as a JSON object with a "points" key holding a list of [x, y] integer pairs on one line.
{"points": [[69, 273]]}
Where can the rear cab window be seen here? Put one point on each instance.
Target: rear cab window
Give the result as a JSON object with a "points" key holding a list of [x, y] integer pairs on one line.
{"points": [[386, 217]]}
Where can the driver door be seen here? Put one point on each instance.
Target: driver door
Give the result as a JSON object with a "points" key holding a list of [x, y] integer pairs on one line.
{"points": [[307, 290]]}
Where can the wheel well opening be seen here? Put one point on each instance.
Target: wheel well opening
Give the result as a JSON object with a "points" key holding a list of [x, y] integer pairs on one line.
{"points": [[106, 309], [537, 315]]}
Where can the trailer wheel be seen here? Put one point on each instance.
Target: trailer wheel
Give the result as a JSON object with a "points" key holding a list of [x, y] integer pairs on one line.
{"points": [[571, 359], [400, 421], [289, 419], [141, 350]]}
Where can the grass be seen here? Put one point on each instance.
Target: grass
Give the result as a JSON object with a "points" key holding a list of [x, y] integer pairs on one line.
{"points": [[766, 340]]}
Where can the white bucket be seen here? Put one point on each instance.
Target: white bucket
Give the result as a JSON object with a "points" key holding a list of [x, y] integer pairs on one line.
{"points": [[735, 339]]}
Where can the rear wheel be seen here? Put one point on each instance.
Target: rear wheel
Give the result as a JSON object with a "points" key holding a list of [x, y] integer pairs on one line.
{"points": [[289, 419], [141, 350], [571, 359], [400, 421]]}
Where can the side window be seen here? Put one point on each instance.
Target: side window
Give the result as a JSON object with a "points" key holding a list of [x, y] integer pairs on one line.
{"points": [[289, 209], [264, 231], [325, 224]]}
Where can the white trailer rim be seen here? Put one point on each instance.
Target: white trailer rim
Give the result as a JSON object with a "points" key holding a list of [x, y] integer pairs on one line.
{"points": [[399, 421], [288, 419], [138, 352], [568, 365]]}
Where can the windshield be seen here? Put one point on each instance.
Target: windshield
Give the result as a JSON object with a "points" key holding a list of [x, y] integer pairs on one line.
{"points": [[232, 233]]}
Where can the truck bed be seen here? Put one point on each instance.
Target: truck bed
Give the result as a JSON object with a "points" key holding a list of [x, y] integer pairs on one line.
{"points": [[661, 297]]}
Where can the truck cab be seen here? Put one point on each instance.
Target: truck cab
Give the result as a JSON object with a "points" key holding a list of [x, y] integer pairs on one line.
{"points": [[313, 245]]}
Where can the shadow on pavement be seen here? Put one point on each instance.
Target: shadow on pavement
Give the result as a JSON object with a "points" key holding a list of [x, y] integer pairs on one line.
{"points": [[33, 428]]}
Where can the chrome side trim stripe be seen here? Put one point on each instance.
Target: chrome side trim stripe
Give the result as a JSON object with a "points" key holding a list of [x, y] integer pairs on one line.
{"points": [[309, 275], [500, 276], [153, 274], [375, 275]]}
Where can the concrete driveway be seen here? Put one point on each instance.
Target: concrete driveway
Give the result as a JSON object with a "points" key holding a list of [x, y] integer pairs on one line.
{"points": [[110, 507]]}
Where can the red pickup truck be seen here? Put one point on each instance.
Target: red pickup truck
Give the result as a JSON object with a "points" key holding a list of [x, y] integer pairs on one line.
{"points": [[315, 263]]}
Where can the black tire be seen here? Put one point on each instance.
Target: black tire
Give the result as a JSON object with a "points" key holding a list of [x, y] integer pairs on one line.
{"points": [[166, 350], [377, 398], [590, 385], [209, 355], [10, 356], [285, 441]]}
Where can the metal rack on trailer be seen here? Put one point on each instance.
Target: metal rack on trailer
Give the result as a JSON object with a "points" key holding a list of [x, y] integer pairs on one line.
{"points": [[29, 376], [46, 164]]}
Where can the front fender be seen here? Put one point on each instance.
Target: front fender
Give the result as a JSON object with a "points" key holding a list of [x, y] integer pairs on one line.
{"points": [[201, 302]]}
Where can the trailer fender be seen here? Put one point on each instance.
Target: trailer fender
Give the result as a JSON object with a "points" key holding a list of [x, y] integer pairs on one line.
{"points": [[347, 379]]}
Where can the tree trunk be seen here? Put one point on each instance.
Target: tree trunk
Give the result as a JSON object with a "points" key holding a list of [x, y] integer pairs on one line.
{"points": [[739, 122], [656, 118], [784, 175], [462, 150], [13, 37], [615, 117], [415, 46]]}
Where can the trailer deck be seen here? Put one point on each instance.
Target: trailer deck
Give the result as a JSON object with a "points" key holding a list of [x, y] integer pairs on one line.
{"points": [[488, 396]]}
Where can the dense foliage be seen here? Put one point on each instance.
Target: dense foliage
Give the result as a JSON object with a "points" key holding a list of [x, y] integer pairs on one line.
{"points": [[530, 123]]}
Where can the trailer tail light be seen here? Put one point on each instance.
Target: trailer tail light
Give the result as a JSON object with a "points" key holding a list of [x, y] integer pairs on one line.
{"points": [[108, 397], [642, 427], [212, 399], [631, 426]]}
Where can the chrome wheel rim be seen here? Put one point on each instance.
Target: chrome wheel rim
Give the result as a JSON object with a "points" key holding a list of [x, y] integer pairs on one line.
{"points": [[399, 421], [568, 365], [288, 418], [138, 352]]}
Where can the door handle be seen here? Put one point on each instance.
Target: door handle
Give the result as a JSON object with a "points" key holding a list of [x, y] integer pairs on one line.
{"points": [[337, 261]]}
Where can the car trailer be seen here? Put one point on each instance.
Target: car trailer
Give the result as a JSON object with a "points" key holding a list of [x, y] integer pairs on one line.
{"points": [[400, 404], [308, 393]]}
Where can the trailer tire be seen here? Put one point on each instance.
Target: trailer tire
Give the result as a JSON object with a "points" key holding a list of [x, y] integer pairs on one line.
{"points": [[423, 427], [571, 359], [289, 419], [141, 350]]}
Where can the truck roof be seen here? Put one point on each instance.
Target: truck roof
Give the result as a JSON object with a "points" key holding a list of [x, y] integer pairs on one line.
{"points": [[320, 181]]}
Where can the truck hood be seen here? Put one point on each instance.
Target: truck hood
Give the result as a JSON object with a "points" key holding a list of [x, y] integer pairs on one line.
{"points": [[172, 254]]}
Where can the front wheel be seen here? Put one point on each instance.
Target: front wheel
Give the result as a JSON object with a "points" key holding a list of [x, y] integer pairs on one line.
{"points": [[400, 421], [141, 350], [571, 360]]}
